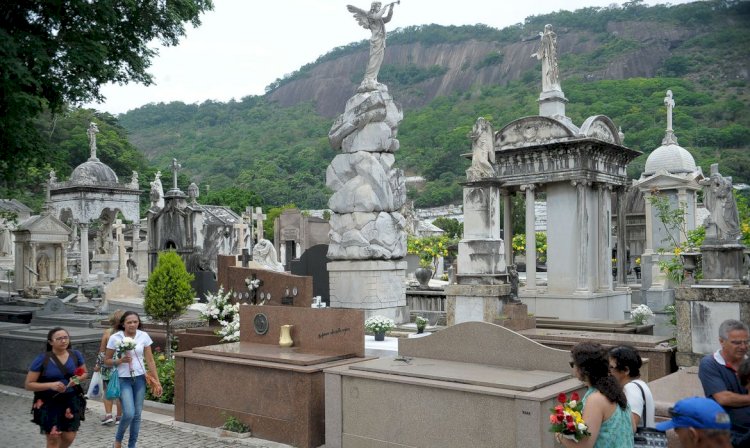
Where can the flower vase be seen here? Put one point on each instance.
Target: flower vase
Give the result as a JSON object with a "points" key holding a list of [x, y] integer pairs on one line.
{"points": [[423, 276], [380, 336], [420, 330], [285, 340]]}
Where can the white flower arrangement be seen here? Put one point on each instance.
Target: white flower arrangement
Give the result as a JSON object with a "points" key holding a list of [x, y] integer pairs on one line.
{"points": [[379, 324], [641, 313], [123, 347], [420, 321], [230, 329], [219, 306], [252, 284]]}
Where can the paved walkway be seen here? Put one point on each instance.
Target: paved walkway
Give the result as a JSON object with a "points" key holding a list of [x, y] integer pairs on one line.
{"points": [[157, 429]]}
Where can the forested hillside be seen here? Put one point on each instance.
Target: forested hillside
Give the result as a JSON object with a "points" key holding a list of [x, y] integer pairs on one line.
{"points": [[616, 61]]}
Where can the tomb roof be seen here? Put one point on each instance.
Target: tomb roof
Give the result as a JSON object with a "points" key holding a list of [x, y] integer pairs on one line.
{"points": [[671, 158], [92, 172]]}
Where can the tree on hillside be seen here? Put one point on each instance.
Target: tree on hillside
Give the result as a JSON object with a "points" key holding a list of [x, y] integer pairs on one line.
{"points": [[57, 53], [168, 292]]}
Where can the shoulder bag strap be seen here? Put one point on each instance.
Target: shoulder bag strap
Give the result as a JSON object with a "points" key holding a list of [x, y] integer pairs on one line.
{"points": [[643, 394], [61, 366], [44, 363]]}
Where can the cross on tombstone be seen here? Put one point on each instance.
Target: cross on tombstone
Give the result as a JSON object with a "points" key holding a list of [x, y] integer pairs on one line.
{"points": [[118, 226], [175, 168], [240, 227], [259, 218], [245, 257]]}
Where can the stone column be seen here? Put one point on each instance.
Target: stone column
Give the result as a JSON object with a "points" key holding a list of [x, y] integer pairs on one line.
{"points": [[622, 222], [63, 263], [136, 234], [530, 238], [84, 252], [604, 243], [682, 202], [582, 221], [649, 249], [507, 226], [32, 277]]}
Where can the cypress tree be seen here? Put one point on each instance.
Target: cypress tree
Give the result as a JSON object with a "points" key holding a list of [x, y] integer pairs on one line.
{"points": [[168, 292]]}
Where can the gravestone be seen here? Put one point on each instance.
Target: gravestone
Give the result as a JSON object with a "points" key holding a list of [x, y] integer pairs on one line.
{"points": [[276, 288], [312, 263], [17, 314]]}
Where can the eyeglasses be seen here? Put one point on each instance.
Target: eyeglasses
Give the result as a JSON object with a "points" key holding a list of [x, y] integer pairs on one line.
{"points": [[62, 338], [739, 343]]}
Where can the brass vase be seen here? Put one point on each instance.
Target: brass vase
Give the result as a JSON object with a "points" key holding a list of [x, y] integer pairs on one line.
{"points": [[285, 339]]}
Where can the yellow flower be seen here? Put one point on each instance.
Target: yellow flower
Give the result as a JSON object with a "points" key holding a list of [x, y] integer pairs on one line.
{"points": [[677, 251], [162, 358]]}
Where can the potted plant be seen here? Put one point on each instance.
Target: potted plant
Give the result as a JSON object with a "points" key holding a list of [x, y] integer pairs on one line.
{"points": [[421, 324], [429, 249], [378, 325], [233, 427]]}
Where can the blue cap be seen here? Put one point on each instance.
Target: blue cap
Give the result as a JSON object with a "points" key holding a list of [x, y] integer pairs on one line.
{"points": [[698, 413]]}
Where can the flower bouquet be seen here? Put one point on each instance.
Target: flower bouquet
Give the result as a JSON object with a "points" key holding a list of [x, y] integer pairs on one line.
{"points": [[379, 324], [641, 313], [566, 418], [123, 347]]}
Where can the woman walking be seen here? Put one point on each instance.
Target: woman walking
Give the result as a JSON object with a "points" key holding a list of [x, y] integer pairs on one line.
{"points": [[114, 322], [605, 408], [131, 373], [58, 409]]}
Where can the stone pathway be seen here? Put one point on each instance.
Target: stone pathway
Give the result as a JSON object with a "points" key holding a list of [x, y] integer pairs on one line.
{"points": [[157, 430]]}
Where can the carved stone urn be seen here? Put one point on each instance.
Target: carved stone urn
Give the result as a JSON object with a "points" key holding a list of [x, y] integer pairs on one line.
{"points": [[423, 276]]}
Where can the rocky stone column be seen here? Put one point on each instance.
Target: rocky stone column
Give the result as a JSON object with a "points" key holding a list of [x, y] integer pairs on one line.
{"points": [[367, 237]]}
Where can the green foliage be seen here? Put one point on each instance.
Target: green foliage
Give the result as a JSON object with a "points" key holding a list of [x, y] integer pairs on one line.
{"points": [[271, 216], [394, 75], [232, 423], [490, 60], [519, 245], [165, 371], [453, 228], [57, 53], [237, 199], [168, 291], [429, 249]]}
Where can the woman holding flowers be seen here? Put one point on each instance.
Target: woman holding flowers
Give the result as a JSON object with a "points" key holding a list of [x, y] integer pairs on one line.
{"points": [[129, 350], [114, 322], [54, 376], [605, 408]]}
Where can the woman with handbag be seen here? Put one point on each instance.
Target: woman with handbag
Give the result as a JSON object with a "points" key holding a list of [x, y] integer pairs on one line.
{"points": [[605, 408], [105, 372], [59, 405], [129, 350], [625, 366]]}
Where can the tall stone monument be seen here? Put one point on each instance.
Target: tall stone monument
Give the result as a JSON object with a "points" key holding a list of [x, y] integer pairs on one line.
{"points": [[701, 308], [367, 237], [579, 168]]}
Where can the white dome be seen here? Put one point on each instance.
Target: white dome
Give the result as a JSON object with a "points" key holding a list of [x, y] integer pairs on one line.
{"points": [[92, 172], [670, 157]]}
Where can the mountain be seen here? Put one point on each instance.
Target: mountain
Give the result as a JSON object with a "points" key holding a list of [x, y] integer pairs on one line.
{"points": [[616, 61]]}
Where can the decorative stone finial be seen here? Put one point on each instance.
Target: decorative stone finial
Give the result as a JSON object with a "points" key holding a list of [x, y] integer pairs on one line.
{"points": [[93, 130], [175, 168], [669, 137], [193, 192]]}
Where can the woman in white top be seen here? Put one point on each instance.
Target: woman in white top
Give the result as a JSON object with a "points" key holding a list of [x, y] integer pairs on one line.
{"points": [[625, 366], [130, 368]]}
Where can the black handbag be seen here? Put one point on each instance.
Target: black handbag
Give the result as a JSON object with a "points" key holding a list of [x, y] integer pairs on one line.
{"points": [[647, 437], [80, 395]]}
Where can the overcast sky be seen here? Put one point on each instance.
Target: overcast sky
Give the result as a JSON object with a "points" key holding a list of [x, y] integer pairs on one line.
{"points": [[244, 45]]}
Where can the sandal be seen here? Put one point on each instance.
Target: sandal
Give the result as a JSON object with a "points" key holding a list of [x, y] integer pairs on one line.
{"points": [[107, 419]]}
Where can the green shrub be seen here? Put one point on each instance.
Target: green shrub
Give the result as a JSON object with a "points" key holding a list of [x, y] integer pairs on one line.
{"points": [[165, 371]]}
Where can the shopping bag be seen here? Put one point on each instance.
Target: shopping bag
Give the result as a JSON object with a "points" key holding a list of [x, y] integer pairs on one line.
{"points": [[96, 387], [113, 386]]}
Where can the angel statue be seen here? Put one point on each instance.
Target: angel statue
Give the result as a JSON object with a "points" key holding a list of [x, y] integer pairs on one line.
{"points": [[374, 21], [547, 53], [482, 151]]}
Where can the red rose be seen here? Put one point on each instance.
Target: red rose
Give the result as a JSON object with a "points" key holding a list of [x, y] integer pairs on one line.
{"points": [[559, 408], [562, 398], [574, 396], [571, 427], [560, 418], [553, 419], [569, 418], [79, 371]]}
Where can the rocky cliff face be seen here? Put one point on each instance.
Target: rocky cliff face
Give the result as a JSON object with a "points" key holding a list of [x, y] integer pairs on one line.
{"points": [[331, 83]]}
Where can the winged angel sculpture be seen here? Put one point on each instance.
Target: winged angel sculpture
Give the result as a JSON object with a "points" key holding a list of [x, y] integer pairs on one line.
{"points": [[374, 21]]}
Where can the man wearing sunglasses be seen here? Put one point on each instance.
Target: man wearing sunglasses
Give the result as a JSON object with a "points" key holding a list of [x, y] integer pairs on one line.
{"points": [[699, 423], [718, 375]]}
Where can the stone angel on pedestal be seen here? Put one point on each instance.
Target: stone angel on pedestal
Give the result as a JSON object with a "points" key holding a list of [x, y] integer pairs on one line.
{"points": [[374, 21], [483, 151], [547, 53]]}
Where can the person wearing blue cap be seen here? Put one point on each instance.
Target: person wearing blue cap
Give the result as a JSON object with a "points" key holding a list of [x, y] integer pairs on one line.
{"points": [[699, 423]]}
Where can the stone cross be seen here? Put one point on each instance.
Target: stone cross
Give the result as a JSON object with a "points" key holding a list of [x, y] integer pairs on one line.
{"points": [[259, 218], [92, 131], [118, 226], [669, 138], [241, 227], [175, 168], [245, 257]]}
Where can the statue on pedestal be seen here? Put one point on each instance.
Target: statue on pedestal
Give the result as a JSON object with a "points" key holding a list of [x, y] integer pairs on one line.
{"points": [[723, 224], [547, 53], [374, 21]]}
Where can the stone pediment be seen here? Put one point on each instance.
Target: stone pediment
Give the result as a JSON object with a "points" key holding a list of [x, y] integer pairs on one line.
{"points": [[532, 131], [44, 224], [664, 180], [490, 345], [601, 127]]}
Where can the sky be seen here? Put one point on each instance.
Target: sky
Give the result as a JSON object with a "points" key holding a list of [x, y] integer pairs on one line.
{"points": [[242, 46]]}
